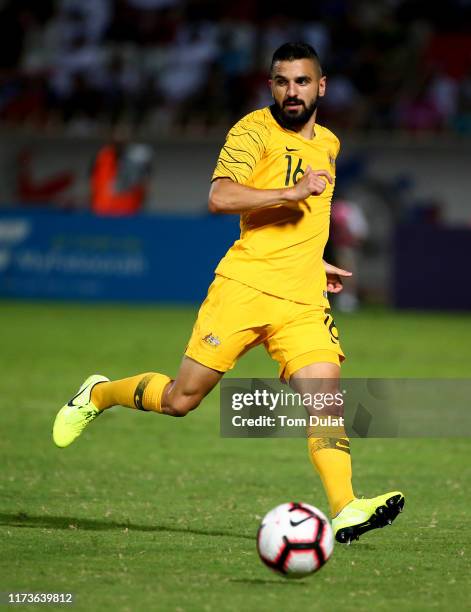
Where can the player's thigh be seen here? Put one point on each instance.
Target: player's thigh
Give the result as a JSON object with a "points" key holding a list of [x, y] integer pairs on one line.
{"points": [[319, 382], [323, 374], [307, 338], [229, 322], [319, 377]]}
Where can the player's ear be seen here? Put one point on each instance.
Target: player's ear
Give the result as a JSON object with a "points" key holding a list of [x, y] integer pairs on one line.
{"points": [[322, 86]]}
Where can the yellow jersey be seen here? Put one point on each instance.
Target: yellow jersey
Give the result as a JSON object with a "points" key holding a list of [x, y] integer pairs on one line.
{"points": [[280, 249]]}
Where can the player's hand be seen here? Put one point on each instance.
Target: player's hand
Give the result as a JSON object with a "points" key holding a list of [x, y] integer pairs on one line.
{"points": [[313, 182], [334, 277]]}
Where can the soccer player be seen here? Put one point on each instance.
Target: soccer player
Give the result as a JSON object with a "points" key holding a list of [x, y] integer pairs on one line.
{"points": [[276, 169]]}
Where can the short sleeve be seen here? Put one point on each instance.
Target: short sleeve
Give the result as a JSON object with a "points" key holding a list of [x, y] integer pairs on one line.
{"points": [[244, 147]]}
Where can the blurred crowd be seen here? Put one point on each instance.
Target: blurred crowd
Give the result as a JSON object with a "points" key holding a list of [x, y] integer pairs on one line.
{"points": [[199, 64]]}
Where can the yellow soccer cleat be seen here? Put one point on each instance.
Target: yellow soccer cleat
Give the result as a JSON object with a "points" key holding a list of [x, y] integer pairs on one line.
{"points": [[72, 418], [362, 515]]}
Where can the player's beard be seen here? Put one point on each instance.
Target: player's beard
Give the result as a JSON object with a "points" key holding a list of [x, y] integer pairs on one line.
{"points": [[292, 121]]}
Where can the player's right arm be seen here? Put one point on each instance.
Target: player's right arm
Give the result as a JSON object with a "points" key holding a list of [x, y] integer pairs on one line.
{"points": [[228, 196]]}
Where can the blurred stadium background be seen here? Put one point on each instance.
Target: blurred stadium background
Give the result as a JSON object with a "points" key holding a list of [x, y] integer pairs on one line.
{"points": [[165, 79]]}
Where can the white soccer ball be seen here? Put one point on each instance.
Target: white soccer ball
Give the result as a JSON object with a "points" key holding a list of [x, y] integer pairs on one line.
{"points": [[295, 540]]}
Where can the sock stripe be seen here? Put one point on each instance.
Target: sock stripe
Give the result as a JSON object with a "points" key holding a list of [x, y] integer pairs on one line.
{"points": [[342, 444], [139, 392]]}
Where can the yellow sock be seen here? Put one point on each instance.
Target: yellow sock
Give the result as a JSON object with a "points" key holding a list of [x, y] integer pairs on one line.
{"points": [[331, 457], [143, 392]]}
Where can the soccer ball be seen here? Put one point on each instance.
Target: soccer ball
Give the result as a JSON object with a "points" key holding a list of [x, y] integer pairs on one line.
{"points": [[295, 540]]}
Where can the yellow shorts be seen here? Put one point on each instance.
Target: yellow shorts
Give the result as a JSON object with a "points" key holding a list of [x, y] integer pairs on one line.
{"points": [[234, 318]]}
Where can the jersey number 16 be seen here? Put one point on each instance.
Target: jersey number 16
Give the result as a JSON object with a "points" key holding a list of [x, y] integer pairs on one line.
{"points": [[298, 171]]}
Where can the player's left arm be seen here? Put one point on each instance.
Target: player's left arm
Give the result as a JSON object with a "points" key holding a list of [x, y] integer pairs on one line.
{"points": [[334, 277]]}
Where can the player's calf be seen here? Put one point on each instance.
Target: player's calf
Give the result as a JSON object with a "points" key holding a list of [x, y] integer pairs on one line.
{"points": [[192, 384], [178, 404]]}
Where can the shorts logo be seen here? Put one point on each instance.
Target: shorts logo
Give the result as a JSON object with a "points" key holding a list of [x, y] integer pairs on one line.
{"points": [[212, 340]]}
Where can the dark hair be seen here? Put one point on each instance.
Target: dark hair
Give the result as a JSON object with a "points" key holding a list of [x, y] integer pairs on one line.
{"points": [[294, 51]]}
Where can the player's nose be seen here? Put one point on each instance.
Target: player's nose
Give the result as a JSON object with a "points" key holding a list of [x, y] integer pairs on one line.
{"points": [[292, 90]]}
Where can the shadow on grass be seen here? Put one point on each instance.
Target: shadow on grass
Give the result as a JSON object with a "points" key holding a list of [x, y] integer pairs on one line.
{"points": [[274, 581], [22, 519]]}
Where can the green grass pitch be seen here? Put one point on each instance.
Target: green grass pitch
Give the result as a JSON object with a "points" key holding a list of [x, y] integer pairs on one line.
{"points": [[146, 512]]}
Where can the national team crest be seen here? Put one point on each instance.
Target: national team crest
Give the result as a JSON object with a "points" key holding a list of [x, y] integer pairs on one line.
{"points": [[211, 340]]}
